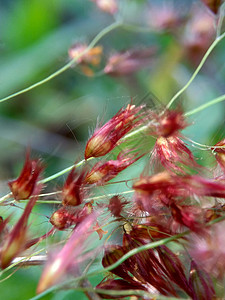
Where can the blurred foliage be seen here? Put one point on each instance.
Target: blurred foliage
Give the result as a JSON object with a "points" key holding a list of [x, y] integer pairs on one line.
{"points": [[54, 119]]}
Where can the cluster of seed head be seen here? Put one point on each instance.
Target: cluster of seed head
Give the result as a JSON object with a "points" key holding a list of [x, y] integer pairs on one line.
{"points": [[165, 202]]}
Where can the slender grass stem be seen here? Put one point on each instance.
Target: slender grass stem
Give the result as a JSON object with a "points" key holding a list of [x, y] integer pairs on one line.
{"points": [[208, 52], [205, 105], [71, 63], [60, 173]]}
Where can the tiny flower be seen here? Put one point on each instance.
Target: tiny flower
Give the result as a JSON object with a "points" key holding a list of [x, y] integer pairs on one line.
{"points": [[67, 216], [106, 137], [86, 58], [173, 155], [109, 6], [25, 185], [213, 5], [219, 151], [69, 256], [73, 189], [105, 171], [167, 124], [126, 63], [169, 149], [15, 242]]}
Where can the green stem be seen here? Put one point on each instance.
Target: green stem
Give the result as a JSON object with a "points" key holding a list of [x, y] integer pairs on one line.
{"points": [[204, 106], [63, 171], [135, 28], [85, 199], [98, 37], [217, 40]]}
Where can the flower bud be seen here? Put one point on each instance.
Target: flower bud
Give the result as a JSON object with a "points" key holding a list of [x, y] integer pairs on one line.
{"points": [[129, 62], [69, 215], [86, 59], [24, 186], [73, 189], [106, 138], [105, 171], [169, 123], [174, 155]]}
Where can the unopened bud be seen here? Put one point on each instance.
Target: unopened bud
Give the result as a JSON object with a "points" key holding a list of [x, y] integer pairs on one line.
{"points": [[24, 186]]}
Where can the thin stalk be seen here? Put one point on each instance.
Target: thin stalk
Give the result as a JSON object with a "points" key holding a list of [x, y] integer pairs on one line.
{"points": [[208, 52], [204, 106], [71, 63], [136, 28], [85, 199], [80, 163]]}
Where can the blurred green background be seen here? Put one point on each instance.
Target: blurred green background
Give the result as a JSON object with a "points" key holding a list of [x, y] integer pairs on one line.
{"points": [[54, 119]]}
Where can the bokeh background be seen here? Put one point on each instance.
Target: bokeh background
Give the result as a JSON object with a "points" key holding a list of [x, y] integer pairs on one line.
{"points": [[54, 119]]}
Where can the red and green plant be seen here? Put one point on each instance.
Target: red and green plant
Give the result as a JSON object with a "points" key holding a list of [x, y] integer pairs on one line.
{"points": [[161, 236]]}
